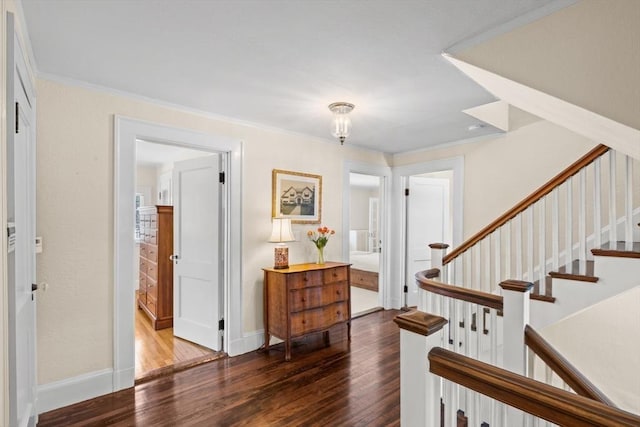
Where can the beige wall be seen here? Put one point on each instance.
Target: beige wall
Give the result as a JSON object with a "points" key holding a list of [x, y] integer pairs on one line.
{"points": [[587, 54], [602, 342], [501, 171], [75, 214]]}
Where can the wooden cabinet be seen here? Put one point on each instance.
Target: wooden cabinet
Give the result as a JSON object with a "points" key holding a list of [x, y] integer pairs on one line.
{"points": [[304, 299], [155, 292]]}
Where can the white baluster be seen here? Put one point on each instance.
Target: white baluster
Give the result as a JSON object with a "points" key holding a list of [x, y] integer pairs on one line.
{"points": [[597, 203], [555, 229], [582, 216], [542, 246], [530, 243], [518, 243], [569, 224], [628, 203], [507, 251], [613, 216], [488, 285], [497, 257], [477, 266]]}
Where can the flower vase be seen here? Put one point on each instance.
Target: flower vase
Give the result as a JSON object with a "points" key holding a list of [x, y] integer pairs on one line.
{"points": [[320, 256]]}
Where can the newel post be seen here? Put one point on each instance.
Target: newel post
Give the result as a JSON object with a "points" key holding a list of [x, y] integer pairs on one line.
{"points": [[515, 295], [419, 388], [437, 254]]}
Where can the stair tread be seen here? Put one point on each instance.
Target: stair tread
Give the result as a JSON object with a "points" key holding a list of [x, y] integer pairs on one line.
{"points": [[548, 290], [618, 249], [577, 270]]}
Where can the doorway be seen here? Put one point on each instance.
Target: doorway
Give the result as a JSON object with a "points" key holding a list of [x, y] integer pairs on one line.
{"points": [[163, 342], [441, 180], [365, 242], [127, 132]]}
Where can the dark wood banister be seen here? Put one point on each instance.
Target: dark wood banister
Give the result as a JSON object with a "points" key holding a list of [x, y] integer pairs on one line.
{"points": [[470, 295], [542, 400], [561, 366], [531, 199]]}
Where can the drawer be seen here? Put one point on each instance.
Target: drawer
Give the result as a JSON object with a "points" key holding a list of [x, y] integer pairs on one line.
{"points": [[337, 274], [306, 298], [152, 252], [153, 220], [305, 279], [152, 270], [143, 266], [319, 318], [151, 304], [152, 288], [143, 250], [150, 237], [142, 281], [142, 297], [335, 292]]}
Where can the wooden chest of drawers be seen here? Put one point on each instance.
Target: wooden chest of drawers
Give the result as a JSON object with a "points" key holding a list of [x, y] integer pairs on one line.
{"points": [[155, 292], [304, 299]]}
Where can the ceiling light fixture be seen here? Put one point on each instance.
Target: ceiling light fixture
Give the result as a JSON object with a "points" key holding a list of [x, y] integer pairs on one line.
{"points": [[341, 125]]}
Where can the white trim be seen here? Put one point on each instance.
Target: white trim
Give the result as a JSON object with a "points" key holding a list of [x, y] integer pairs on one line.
{"points": [[126, 132], [386, 297], [398, 219], [519, 21], [250, 341], [73, 390]]}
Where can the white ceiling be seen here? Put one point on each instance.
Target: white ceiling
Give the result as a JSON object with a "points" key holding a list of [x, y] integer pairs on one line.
{"points": [[279, 63]]}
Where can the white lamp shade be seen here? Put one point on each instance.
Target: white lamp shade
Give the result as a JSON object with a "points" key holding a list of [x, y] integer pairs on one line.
{"points": [[281, 231]]}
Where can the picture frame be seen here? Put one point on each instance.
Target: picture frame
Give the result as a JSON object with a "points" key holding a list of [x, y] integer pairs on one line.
{"points": [[297, 196]]}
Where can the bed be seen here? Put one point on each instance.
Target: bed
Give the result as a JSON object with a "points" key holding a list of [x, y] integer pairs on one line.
{"points": [[364, 269]]}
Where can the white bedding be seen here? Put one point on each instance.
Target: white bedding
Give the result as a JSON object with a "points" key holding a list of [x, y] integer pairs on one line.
{"points": [[368, 261]]}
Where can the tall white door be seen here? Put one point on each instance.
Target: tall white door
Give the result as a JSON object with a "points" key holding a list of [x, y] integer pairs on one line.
{"points": [[427, 222], [197, 243], [21, 253]]}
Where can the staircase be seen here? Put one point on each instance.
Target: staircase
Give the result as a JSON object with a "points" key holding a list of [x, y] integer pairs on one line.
{"points": [[569, 245]]}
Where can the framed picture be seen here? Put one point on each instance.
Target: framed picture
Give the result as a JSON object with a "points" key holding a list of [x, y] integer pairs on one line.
{"points": [[297, 196]]}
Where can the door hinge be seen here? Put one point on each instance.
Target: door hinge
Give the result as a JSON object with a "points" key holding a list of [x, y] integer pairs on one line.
{"points": [[221, 177], [17, 117], [406, 191], [221, 324]]}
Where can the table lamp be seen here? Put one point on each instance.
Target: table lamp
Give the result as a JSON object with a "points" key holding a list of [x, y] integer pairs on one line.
{"points": [[281, 233]]}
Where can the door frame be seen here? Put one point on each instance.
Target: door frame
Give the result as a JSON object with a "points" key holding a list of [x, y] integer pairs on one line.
{"points": [[401, 176], [17, 68], [385, 175], [126, 132]]}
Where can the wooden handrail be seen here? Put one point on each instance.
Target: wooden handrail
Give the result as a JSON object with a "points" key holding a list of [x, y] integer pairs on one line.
{"points": [[542, 400], [561, 366], [531, 199], [458, 292]]}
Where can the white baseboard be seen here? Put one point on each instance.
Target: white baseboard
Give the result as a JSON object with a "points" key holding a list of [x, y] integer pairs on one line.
{"points": [[73, 390], [250, 341]]}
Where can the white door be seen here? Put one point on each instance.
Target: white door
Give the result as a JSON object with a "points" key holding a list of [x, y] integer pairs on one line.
{"points": [[21, 256], [427, 222], [196, 247]]}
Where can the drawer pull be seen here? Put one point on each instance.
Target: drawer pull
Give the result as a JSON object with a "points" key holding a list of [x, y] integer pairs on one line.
{"points": [[338, 312], [303, 299], [338, 292], [304, 321]]}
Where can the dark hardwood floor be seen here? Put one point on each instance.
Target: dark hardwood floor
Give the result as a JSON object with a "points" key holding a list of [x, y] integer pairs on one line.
{"points": [[344, 384]]}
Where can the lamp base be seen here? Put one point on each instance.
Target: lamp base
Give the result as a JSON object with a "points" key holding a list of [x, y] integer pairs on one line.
{"points": [[281, 258]]}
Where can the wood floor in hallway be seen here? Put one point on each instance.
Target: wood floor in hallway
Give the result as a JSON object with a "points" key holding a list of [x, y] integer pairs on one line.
{"points": [[159, 352], [353, 383]]}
